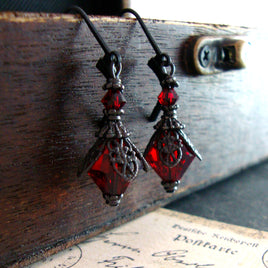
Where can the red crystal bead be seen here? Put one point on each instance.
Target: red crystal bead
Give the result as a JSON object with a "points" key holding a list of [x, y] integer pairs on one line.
{"points": [[113, 99], [114, 169], [168, 96], [106, 177], [162, 157]]}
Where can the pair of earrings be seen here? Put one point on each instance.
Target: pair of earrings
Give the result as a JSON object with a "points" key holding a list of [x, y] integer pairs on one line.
{"points": [[114, 161]]}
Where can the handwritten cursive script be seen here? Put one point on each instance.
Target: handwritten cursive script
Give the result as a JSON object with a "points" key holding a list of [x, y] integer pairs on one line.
{"points": [[106, 238], [119, 261], [178, 256]]}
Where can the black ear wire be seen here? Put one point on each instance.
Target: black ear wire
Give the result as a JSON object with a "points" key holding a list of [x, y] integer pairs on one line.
{"points": [[113, 161], [158, 64], [91, 26], [145, 29]]}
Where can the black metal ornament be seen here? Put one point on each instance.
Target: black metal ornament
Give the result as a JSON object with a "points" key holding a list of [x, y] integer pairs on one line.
{"points": [[113, 161], [169, 151]]}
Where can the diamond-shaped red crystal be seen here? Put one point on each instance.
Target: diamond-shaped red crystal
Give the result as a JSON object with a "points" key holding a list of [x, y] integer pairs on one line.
{"points": [[168, 96], [170, 173], [106, 177], [113, 99]]}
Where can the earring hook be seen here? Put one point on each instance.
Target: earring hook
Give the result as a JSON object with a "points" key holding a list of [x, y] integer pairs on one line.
{"points": [[162, 59], [145, 29], [92, 28], [110, 65], [157, 63]]}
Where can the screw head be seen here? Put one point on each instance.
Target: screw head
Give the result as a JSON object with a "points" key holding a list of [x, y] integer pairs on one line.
{"points": [[205, 56]]}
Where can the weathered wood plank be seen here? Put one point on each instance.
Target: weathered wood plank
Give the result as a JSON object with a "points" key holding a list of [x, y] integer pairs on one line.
{"points": [[50, 107]]}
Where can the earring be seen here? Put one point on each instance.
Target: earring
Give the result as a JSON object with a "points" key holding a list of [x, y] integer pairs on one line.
{"points": [[112, 162], [169, 151]]}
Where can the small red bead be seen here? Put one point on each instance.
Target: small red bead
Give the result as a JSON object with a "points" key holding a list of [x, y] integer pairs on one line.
{"points": [[168, 96], [113, 99]]}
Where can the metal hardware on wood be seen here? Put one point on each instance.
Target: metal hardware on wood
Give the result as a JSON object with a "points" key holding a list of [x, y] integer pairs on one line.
{"points": [[205, 56], [208, 55]]}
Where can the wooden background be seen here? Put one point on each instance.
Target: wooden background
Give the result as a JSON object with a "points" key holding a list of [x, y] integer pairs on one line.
{"points": [[50, 108]]}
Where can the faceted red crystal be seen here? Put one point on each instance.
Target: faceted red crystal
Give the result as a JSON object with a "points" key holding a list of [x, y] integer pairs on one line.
{"points": [[167, 173], [113, 99], [168, 96], [106, 177]]}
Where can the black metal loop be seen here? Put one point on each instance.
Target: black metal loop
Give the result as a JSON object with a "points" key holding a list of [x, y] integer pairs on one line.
{"points": [[166, 60], [172, 69], [145, 29], [116, 70], [116, 61]]}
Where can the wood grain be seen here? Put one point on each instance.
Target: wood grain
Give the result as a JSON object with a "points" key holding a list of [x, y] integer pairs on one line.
{"points": [[50, 109]]}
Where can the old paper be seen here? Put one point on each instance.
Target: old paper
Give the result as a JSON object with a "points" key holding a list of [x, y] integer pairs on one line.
{"points": [[166, 238]]}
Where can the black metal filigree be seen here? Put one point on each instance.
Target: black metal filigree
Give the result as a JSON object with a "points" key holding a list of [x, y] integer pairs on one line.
{"points": [[169, 146], [123, 158]]}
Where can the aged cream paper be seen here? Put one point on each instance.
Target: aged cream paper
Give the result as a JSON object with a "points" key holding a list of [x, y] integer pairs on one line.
{"points": [[166, 238]]}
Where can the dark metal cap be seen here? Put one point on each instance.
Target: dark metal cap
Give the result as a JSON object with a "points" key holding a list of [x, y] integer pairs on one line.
{"points": [[112, 200]]}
